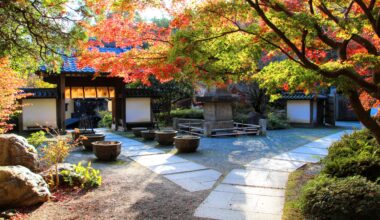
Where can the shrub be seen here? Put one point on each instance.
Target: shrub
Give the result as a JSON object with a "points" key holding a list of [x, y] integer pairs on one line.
{"points": [[106, 119], [54, 153], [88, 177], [337, 198], [37, 139], [355, 154], [277, 120], [187, 113]]}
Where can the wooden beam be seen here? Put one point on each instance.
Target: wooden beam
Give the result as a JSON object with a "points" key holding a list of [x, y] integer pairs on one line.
{"points": [[61, 102]]}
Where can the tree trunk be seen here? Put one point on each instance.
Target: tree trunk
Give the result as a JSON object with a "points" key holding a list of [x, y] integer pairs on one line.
{"points": [[364, 116]]}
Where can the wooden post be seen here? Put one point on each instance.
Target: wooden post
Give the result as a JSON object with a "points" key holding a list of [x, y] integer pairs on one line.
{"points": [[61, 102]]}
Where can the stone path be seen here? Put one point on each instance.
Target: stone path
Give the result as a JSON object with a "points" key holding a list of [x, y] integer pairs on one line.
{"points": [[257, 192], [188, 175]]}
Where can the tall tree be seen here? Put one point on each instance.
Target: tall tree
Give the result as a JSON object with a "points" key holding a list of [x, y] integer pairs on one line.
{"points": [[325, 43], [33, 32]]}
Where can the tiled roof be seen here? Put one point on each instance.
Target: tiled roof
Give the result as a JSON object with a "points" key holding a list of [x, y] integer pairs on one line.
{"points": [[301, 96], [70, 63], [41, 93]]}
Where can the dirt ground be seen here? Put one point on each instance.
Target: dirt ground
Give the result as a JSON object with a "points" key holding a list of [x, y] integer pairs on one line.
{"points": [[129, 191]]}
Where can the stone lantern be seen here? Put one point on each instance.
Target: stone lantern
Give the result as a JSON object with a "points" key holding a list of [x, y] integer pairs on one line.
{"points": [[217, 110]]}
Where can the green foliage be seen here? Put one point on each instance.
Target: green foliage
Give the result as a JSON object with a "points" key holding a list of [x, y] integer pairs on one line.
{"points": [[187, 113], [106, 119], [40, 30], [275, 75], [86, 177], [354, 154], [333, 198], [277, 120], [37, 139]]}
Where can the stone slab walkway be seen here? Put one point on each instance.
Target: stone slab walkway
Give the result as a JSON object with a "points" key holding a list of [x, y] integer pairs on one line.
{"points": [[188, 175], [257, 192]]}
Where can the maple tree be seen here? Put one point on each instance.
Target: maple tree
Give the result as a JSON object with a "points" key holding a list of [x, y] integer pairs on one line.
{"points": [[10, 83], [297, 45]]}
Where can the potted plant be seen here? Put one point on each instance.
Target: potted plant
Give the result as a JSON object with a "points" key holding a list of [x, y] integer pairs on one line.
{"points": [[148, 135], [165, 137], [78, 132], [137, 131], [186, 143], [87, 139], [106, 150]]}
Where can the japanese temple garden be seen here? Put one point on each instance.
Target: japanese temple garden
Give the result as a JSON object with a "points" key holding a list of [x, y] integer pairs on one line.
{"points": [[213, 109]]}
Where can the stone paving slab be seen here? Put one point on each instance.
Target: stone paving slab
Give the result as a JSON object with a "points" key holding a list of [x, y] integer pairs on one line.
{"points": [[274, 164], [150, 151], [176, 168], [299, 157], [158, 159], [310, 150], [258, 178], [228, 214], [196, 180], [250, 190]]}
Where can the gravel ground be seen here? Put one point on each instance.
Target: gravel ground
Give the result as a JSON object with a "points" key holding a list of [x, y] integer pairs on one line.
{"points": [[129, 191]]}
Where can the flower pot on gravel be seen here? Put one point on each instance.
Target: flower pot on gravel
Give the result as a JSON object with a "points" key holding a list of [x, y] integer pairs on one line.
{"points": [[186, 143], [106, 150], [87, 139], [137, 131], [165, 137], [148, 135], [78, 132]]}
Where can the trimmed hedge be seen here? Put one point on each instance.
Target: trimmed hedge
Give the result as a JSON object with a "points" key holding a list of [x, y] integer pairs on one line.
{"points": [[340, 198], [277, 120], [187, 113], [355, 154]]}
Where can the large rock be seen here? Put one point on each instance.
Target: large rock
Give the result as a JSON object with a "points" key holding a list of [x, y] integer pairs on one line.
{"points": [[15, 150], [20, 187]]}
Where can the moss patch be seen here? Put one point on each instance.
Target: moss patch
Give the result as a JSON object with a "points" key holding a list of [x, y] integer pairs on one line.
{"points": [[296, 181]]}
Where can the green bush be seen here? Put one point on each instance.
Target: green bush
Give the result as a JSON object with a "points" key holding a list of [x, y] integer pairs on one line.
{"points": [[37, 139], [337, 198], [354, 154], [86, 177], [187, 113], [106, 119], [277, 120]]}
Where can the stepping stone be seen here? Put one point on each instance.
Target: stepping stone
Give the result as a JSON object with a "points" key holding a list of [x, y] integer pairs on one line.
{"points": [[299, 157], [135, 147], [196, 180], [258, 178], [176, 168], [141, 152], [310, 150], [158, 159], [250, 190], [228, 214], [273, 164]]}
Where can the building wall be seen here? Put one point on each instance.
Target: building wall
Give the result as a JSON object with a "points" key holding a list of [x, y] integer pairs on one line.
{"points": [[315, 112], [138, 110], [39, 112], [298, 111]]}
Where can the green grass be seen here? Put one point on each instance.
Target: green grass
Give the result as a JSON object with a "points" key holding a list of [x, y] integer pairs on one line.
{"points": [[296, 181]]}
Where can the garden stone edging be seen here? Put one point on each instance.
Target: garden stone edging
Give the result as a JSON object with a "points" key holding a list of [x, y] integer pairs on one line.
{"points": [[21, 187]]}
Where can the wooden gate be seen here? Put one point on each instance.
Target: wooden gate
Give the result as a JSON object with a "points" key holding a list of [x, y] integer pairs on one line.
{"points": [[330, 111]]}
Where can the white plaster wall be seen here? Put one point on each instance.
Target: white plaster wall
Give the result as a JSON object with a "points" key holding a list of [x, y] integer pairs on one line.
{"points": [[39, 112], [298, 111], [138, 110]]}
